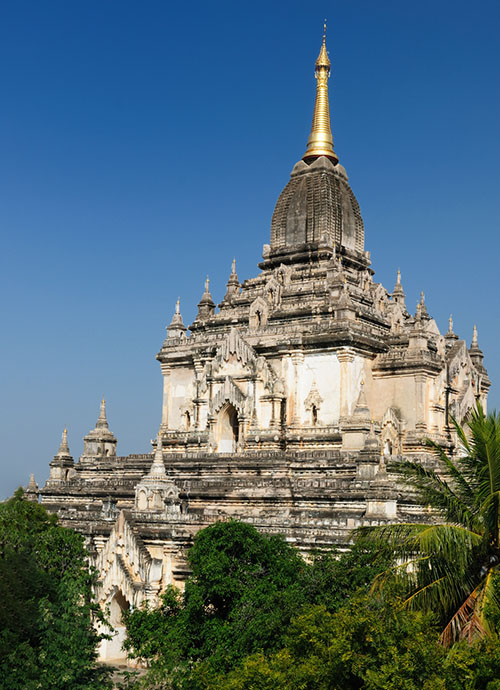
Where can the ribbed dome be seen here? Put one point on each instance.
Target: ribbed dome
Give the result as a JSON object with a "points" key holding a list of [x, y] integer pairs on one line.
{"points": [[317, 207]]}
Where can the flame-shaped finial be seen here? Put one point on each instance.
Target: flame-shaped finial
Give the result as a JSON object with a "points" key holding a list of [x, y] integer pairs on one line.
{"points": [[320, 142], [474, 337], [64, 447], [102, 422]]}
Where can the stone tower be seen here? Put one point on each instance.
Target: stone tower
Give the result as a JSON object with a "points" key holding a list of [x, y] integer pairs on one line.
{"points": [[281, 406]]}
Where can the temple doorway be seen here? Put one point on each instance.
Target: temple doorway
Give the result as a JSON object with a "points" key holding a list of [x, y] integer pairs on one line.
{"points": [[112, 649], [228, 430]]}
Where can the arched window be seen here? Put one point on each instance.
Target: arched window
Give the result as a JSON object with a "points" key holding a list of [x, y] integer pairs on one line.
{"points": [[314, 415], [187, 419]]}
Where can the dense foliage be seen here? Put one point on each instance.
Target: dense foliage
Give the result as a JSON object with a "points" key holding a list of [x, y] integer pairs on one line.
{"points": [[244, 591], [47, 637], [453, 568], [369, 643], [255, 616]]}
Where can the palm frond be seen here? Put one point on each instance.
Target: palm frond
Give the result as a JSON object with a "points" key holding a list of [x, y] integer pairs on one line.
{"points": [[455, 503], [490, 513], [488, 602], [453, 543], [387, 537], [461, 476], [465, 623]]}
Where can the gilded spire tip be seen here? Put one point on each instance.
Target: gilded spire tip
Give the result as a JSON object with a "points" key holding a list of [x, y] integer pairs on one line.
{"points": [[320, 142]]}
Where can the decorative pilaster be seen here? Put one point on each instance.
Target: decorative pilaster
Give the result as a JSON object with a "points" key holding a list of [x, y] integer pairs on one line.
{"points": [[345, 357], [165, 370], [297, 359]]}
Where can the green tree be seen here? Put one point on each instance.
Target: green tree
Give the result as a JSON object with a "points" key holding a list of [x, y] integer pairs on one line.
{"points": [[47, 636], [369, 643], [244, 589], [452, 568]]}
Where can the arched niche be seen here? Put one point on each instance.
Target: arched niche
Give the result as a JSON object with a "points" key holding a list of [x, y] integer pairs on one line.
{"points": [[142, 500], [228, 429], [112, 649], [117, 606]]}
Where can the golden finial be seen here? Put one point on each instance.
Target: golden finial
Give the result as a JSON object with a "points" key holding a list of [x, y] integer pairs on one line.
{"points": [[320, 142], [422, 297], [178, 306], [398, 280], [234, 264], [450, 324], [207, 283]]}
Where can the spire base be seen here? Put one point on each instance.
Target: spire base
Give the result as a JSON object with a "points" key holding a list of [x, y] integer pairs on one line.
{"points": [[311, 155]]}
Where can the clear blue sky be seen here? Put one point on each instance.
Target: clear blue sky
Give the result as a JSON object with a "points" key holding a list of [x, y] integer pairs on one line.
{"points": [[143, 145]]}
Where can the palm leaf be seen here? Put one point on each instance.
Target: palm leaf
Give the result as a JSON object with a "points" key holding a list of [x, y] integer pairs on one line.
{"points": [[465, 623], [455, 502]]}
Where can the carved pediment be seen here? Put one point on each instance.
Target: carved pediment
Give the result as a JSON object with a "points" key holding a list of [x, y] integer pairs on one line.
{"points": [[258, 314], [235, 349], [272, 292], [228, 393], [391, 417], [313, 398], [235, 346]]}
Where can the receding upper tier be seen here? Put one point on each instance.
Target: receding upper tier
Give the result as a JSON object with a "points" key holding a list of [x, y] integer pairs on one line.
{"points": [[315, 212]]}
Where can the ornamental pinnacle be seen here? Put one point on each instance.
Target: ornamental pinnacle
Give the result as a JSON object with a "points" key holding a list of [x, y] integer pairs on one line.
{"points": [[320, 142]]}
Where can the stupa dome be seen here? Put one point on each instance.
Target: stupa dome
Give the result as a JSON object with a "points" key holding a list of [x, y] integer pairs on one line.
{"points": [[317, 209]]}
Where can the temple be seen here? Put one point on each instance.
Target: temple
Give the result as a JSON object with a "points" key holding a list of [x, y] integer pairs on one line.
{"points": [[281, 406]]}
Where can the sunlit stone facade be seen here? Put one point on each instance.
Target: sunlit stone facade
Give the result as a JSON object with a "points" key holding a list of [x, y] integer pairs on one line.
{"points": [[281, 407]]}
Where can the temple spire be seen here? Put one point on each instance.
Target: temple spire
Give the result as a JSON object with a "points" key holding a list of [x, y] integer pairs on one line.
{"points": [[233, 284], [450, 334], [158, 467], [320, 142], [398, 294], [423, 309], [474, 337], [206, 305], [177, 329], [102, 422], [64, 447]]}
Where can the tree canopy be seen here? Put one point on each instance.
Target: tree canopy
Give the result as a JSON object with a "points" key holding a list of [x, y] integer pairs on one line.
{"points": [[244, 590], [47, 636]]}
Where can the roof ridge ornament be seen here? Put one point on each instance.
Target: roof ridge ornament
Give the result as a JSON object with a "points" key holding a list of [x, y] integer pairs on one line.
{"points": [[176, 328], [102, 422], [64, 447], [320, 142]]}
